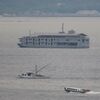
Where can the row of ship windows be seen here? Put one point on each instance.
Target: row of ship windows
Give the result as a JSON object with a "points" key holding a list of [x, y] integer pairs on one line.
{"points": [[53, 43], [40, 43], [40, 40], [64, 43]]}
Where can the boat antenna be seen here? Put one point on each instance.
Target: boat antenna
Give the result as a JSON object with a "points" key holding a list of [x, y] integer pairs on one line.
{"points": [[62, 28]]}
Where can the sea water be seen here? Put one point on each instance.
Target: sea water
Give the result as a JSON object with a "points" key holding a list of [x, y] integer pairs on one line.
{"points": [[66, 67]]}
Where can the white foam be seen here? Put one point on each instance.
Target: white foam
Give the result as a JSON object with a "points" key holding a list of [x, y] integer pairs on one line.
{"points": [[93, 92]]}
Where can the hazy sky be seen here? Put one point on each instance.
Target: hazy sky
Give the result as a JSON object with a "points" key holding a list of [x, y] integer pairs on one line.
{"points": [[14, 28]]}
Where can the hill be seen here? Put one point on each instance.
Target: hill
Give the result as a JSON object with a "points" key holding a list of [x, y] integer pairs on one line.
{"points": [[48, 7]]}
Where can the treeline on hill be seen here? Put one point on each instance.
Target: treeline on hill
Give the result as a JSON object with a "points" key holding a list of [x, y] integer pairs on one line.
{"points": [[29, 7]]}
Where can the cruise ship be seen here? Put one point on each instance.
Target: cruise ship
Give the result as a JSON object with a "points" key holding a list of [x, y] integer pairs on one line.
{"points": [[71, 39]]}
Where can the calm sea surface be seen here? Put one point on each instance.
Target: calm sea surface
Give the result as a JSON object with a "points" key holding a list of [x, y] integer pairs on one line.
{"points": [[66, 67]]}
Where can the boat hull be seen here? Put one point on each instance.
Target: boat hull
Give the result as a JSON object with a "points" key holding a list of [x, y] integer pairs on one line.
{"points": [[34, 46], [33, 77]]}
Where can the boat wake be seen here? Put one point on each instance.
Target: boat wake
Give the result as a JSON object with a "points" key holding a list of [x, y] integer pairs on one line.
{"points": [[93, 92], [80, 91]]}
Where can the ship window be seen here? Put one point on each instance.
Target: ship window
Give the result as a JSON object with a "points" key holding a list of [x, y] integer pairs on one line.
{"points": [[54, 39], [48, 43], [45, 39], [78, 39], [70, 44], [42, 39], [45, 43], [67, 39], [83, 40]]}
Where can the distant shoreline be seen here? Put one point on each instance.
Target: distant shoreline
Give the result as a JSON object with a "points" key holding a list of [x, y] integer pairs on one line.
{"points": [[53, 15]]}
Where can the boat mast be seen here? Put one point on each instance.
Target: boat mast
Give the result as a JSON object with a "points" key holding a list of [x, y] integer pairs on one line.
{"points": [[38, 70], [62, 27]]}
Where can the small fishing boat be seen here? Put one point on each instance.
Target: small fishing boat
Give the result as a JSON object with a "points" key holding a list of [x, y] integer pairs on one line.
{"points": [[33, 75]]}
